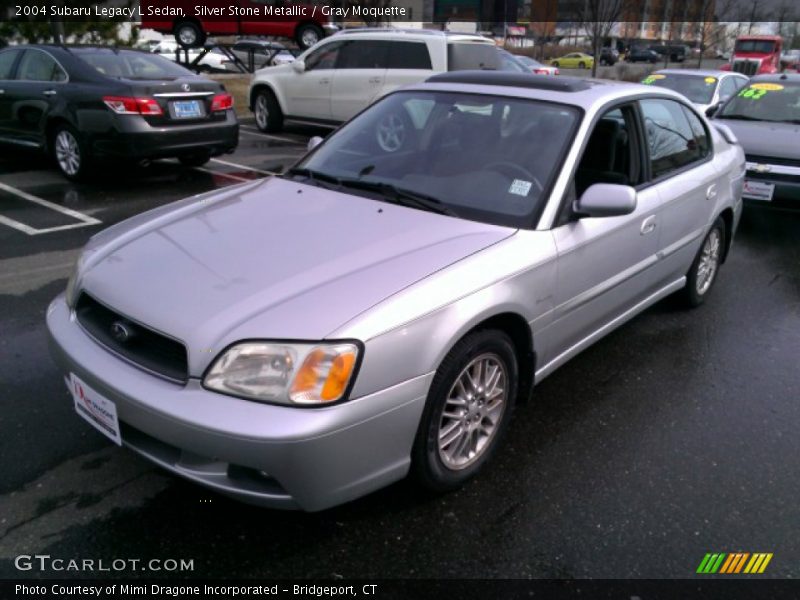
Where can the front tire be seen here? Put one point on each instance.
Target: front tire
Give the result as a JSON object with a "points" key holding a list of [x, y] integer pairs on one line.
{"points": [[70, 153], [269, 117], [469, 406], [705, 267], [581, 65], [555, 64]]}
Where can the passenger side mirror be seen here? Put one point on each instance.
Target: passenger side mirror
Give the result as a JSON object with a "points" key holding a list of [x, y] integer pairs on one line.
{"points": [[313, 143], [299, 66], [712, 110], [606, 200]]}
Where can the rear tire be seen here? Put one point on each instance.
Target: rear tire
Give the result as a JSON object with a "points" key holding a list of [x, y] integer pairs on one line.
{"points": [[581, 65], [188, 34], [705, 267], [268, 113], [308, 34], [70, 152], [468, 410]]}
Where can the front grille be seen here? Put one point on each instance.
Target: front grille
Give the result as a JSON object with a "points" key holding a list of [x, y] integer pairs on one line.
{"points": [[141, 346], [771, 160], [746, 67]]}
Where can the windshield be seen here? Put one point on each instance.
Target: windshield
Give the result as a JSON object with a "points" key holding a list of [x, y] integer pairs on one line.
{"points": [[129, 64], [480, 157], [697, 88], [758, 46], [778, 102]]}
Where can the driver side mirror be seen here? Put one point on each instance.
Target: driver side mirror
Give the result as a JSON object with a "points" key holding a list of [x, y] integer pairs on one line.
{"points": [[712, 110], [299, 66], [605, 200]]}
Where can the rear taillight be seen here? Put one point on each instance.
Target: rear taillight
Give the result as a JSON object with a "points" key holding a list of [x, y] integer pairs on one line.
{"points": [[127, 105], [221, 102], [541, 71]]}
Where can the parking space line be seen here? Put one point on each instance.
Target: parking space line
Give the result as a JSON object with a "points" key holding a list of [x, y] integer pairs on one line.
{"points": [[85, 219], [239, 166], [256, 131], [18, 226]]}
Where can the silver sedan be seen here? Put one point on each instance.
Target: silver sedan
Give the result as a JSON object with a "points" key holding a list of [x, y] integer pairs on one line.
{"points": [[380, 308]]}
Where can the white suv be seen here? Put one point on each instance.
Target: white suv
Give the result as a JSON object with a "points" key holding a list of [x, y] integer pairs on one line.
{"points": [[342, 74]]}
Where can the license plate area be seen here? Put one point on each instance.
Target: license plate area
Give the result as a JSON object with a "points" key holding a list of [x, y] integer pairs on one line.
{"points": [[98, 411], [758, 190], [186, 109]]}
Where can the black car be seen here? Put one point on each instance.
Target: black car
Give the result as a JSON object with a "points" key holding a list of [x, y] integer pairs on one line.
{"points": [[641, 55], [608, 56], [676, 52], [87, 103]]}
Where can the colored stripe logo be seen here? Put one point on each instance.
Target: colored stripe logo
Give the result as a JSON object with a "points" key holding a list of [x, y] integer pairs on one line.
{"points": [[734, 562]]}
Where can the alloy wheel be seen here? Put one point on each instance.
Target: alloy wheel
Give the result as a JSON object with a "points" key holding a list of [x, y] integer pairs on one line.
{"points": [[473, 410], [68, 152], [709, 262], [262, 111]]}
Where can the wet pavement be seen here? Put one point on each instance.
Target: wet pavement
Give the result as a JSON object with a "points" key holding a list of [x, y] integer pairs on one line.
{"points": [[675, 436]]}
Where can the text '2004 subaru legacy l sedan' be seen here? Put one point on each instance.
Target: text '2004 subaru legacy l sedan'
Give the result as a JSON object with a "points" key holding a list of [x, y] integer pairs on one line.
{"points": [[304, 340]]}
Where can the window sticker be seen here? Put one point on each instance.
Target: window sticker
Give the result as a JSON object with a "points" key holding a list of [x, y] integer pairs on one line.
{"points": [[757, 91], [651, 78], [520, 187]]}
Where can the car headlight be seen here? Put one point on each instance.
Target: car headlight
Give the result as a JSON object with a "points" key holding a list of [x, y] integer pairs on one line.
{"points": [[286, 373]]}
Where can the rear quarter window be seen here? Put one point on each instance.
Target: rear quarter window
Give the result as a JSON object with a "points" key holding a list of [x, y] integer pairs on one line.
{"points": [[409, 55], [7, 59], [470, 55]]}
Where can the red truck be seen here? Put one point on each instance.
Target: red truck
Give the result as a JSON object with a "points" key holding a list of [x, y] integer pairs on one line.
{"points": [[756, 55], [192, 22]]}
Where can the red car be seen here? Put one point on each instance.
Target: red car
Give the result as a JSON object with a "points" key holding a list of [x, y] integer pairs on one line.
{"points": [[191, 22]]}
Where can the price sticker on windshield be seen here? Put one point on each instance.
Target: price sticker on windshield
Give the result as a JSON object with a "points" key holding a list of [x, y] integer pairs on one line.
{"points": [[520, 187], [711, 80], [652, 78], [756, 91]]}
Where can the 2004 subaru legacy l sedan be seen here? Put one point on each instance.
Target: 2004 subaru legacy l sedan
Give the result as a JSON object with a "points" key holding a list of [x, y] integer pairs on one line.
{"points": [[301, 341]]}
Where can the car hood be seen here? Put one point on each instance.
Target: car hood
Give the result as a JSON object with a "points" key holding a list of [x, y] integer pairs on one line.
{"points": [[778, 140], [278, 259]]}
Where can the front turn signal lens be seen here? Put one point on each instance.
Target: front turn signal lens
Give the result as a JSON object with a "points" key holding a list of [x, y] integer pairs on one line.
{"points": [[324, 375]]}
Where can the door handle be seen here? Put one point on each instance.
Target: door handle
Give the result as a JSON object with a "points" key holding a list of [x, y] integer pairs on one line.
{"points": [[374, 79], [648, 225], [324, 81], [711, 192], [49, 92]]}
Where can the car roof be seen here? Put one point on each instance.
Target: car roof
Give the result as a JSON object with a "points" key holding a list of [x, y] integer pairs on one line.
{"points": [[413, 34], [777, 78], [699, 72], [584, 93]]}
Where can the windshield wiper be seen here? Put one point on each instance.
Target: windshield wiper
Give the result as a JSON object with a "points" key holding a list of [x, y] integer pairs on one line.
{"points": [[401, 196], [741, 118], [314, 176]]}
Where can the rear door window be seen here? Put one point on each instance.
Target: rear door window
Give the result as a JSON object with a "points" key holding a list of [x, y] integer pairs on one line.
{"points": [[39, 66], [670, 138], [363, 54], [7, 59], [408, 55]]}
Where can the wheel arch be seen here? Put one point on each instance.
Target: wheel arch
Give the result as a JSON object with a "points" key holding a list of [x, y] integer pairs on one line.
{"points": [[50, 130], [259, 86]]}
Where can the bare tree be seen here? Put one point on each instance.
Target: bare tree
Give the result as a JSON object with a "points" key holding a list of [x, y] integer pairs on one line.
{"points": [[598, 18]]}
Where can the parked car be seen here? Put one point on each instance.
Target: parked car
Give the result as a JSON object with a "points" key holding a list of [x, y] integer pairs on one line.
{"points": [[608, 56], [675, 52], [264, 54], [86, 103], [639, 54], [535, 66], [212, 61], [380, 307], [574, 60], [299, 21], [705, 88], [346, 72], [765, 117]]}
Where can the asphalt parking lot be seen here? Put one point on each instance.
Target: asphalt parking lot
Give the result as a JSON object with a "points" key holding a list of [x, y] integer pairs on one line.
{"points": [[673, 437]]}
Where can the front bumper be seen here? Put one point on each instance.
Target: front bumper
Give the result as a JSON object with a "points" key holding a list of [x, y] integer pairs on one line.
{"points": [[133, 137], [786, 180], [274, 456]]}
